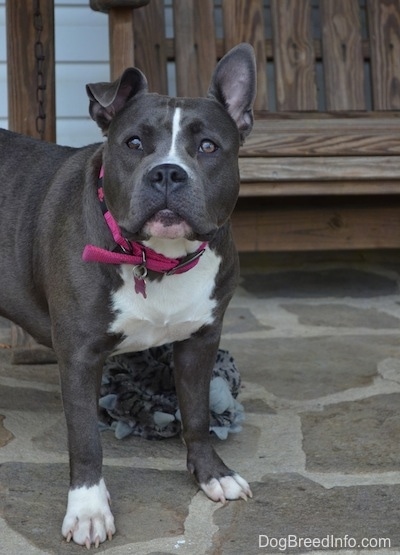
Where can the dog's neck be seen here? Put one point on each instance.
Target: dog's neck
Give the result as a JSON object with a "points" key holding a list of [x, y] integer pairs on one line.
{"points": [[173, 248], [160, 255]]}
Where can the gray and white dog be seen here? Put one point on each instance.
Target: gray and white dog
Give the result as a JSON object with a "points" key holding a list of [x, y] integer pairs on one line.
{"points": [[125, 245]]}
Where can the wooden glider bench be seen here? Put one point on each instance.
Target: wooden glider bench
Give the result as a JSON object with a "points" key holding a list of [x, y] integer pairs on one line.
{"points": [[321, 169]]}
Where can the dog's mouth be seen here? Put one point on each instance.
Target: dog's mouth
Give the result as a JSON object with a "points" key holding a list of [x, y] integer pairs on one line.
{"points": [[166, 223]]}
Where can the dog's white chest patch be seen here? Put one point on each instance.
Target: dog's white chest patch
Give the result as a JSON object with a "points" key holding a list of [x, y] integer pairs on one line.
{"points": [[174, 308]]}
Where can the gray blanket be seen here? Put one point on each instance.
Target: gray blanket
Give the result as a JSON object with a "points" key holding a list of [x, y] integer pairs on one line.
{"points": [[138, 395]]}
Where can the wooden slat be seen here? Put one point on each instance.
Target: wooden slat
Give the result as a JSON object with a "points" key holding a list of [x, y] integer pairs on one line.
{"points": [[332, 226], [220, 42], [22, 68], [324, 137], [351, 116], [342, 55], [384, 30], [318, 188], [294, 55], [195, 46], [320, 168], [150, 47], [243, 21]]}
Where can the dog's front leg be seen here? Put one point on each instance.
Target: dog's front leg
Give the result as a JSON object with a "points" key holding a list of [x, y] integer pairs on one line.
{"points": [[88, 519], [194, 360]]}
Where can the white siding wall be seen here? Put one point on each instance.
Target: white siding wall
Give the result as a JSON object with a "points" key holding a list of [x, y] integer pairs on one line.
{"points": [[81, 52]]}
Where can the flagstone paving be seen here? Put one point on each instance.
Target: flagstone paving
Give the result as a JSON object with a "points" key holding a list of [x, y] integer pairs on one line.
{"points": [[318, 348]]}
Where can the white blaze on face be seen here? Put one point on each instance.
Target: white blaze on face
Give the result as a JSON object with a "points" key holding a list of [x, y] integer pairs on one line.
{"points": [[164, 224], [176, 125]]}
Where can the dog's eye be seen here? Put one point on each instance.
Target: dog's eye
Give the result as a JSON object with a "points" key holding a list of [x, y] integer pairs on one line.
{"points": [[135, 143], [208, 147]]}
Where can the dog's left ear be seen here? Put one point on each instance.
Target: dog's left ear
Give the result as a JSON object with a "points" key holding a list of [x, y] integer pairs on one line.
{"points": [[107, 99], [234, 85]]}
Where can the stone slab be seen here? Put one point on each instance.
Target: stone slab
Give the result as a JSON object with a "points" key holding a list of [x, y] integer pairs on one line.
{"points": [[241, 320], [257, 406], [5, 435], [304, 368], [29, 399], [288, 504], [361, 436], [5, 332], [47, 374], [341, 316], [33, 502]]}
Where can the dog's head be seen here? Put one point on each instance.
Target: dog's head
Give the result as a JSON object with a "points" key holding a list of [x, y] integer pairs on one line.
{"points": [[171, 164]]}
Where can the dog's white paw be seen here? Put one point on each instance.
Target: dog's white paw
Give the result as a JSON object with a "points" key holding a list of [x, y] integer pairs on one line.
{"points": [[227, 487], [88, 519]]}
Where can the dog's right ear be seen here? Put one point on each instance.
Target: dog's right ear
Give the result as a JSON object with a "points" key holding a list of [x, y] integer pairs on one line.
{"points": [[107, 99], [234, 85]]}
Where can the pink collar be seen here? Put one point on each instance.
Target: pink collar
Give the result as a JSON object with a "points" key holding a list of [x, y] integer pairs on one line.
{"points": [[141, 257]]}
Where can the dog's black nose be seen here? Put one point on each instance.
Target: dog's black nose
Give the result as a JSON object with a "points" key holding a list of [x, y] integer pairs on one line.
{"points": [[166, 176]]}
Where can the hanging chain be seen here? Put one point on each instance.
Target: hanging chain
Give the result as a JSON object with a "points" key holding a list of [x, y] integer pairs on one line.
{"points": [[40, 76]]}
